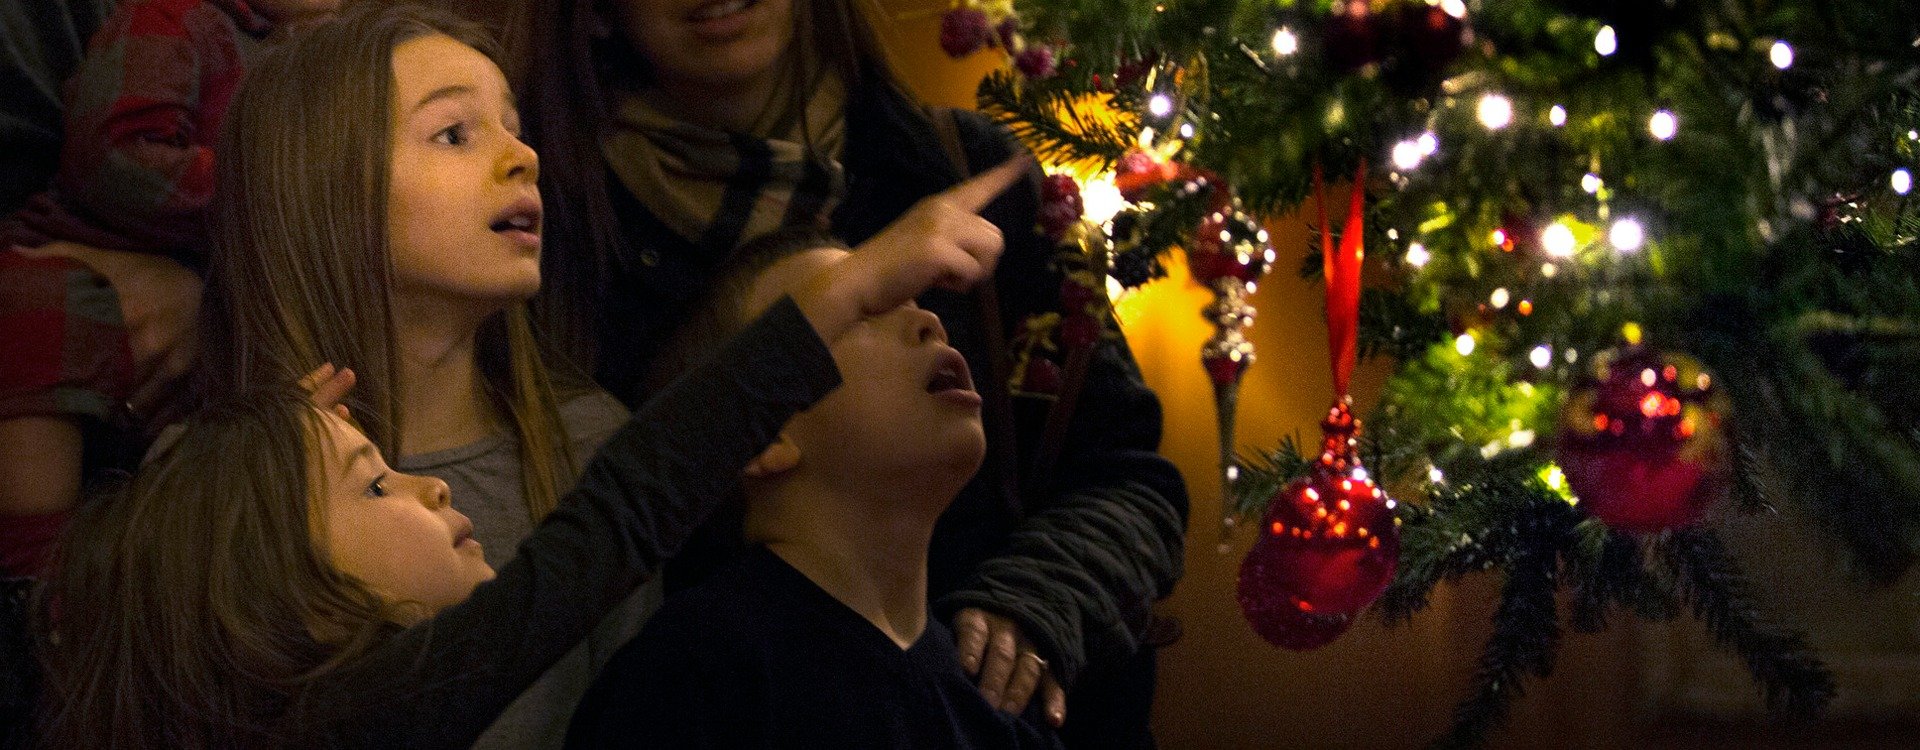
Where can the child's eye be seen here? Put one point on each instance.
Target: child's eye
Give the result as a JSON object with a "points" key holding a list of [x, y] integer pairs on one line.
{"points": [[377, 488], [455, 135]]}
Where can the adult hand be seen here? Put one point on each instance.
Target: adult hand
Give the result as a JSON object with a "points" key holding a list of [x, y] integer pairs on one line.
{"points": [[1010, 671], [941, 241], [159, 306]]}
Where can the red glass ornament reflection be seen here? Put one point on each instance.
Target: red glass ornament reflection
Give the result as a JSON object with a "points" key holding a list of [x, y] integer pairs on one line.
{"points": [[1328, 547], [1640, 443]]}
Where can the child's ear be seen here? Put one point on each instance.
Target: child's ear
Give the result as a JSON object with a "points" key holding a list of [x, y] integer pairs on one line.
{"points": [[779, 458]]}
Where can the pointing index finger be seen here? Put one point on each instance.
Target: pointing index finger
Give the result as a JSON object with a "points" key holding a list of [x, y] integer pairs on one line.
{"points": [[981, 189]]}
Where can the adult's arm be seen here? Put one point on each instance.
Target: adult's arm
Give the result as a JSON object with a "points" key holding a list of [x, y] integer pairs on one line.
{"points": [[1103, 535], [439, 684]]}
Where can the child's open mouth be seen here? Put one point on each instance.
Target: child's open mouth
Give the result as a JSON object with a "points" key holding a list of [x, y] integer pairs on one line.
{"points": [[721, 19], [951, 380], [520, 222]]}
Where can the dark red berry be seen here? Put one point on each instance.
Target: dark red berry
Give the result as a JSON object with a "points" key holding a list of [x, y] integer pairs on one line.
{"points": [[963, 31]]}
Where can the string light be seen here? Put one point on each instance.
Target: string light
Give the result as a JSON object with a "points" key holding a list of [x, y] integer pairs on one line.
{"points": [[1495, 111], [1902, 181], [1549, 270], [1429, 143], [1541, 356], [1627, 235], [1455, 8], [1557, 115], [1663, 125], [1160, 105], [1558, 240], [1417, 255], [1499, 298], [1605, 42], [1781, 55], [1591, 183], [1463, 344], [1186, 130], [1407, 154], [1284, 42]]}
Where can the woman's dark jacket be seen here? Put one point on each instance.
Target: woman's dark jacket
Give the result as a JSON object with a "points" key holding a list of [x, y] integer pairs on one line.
{"points": [[1079, 557]]}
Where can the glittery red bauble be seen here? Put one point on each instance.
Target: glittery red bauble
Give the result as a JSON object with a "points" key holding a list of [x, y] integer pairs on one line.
{"points": [[1138, 171], [963, 31], [1640, 441], [1225, 368], [1352, 36], [1060, 205], [1229, 246], [1329, 543]]}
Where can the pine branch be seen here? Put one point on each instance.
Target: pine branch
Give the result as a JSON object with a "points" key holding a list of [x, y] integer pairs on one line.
{"points": [[1048, 121], [1526, 635], [1791, 677]]}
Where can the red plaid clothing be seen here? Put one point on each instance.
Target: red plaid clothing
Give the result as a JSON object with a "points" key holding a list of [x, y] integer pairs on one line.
{"points": [[65, 348], [143, 112], [136, 173]]}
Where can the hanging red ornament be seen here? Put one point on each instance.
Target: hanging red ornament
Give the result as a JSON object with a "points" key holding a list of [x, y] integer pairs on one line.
{"points": [[1035, 62], [1640, 442], [964, 31], [1229, 244], [1329, 543], [1138, 171], [1352, 36], [1060, 205]]}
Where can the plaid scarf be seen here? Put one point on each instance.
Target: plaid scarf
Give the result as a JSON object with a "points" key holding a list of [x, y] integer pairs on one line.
{"points": [[719, 189]]}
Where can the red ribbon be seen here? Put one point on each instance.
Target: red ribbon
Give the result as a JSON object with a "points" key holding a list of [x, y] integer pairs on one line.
{"points": [[1343, 275]]}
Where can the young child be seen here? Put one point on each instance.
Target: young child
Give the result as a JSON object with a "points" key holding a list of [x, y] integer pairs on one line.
{"points": [[820, 636], [424, 297], [141, 114], [258, 585]]}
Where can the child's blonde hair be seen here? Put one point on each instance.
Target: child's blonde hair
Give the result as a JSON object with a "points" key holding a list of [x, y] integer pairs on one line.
{"points": [[301, 271]]}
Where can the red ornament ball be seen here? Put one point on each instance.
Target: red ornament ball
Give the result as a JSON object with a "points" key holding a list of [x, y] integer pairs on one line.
{"points": [[1329, 544], [1036, 61], [1229, 244], [964, 31], [1640, 442], [1060, 205]]}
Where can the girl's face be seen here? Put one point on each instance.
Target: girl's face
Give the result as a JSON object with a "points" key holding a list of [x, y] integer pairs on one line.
{"points": [[395, 532], [463, 213], [719, 44]]}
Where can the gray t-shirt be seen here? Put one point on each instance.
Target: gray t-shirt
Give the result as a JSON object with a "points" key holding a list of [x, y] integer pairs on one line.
{"points": [[485, 479]]}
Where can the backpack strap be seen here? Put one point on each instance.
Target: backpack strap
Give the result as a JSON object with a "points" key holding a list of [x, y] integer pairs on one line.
{"points": [[986, 297]]}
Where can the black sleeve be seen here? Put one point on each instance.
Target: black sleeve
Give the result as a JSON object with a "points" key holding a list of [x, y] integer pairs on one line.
{"points": [[441, 683], [679, 686], [1103, 536]]}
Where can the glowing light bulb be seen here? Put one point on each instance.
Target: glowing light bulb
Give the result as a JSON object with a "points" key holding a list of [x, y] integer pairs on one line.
{"points": [[1902, 181], [1557, 115], [1101, 198], [1428, 143], [1160, 105], [1495, 111], [1541, 356], [1627, 235], [1591, 183], [1455, 8], [1663, 125], [1549, 270], [1463, 344], [1417, 255], [1499, 298], [1558, 240], [1606, 42], [1781, 55], [1285, 42], [1407, 154], [1435, 476], [1186, 130]]}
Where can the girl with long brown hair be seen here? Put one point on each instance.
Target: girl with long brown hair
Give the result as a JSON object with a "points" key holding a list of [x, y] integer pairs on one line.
{"points": [[678, 129], [376, 210], [267, 580]]}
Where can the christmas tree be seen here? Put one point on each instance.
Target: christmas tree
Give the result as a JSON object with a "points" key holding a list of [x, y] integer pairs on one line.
{"points": [[1647, 264]]}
